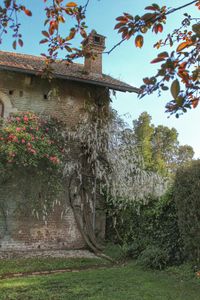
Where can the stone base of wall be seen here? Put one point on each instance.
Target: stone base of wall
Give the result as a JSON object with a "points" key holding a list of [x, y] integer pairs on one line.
{"points": [[9, 244], [80, 253], [20, 230]]}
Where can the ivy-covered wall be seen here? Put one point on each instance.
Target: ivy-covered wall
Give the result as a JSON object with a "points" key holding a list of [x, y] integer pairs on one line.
{"points": [[22, 225]]}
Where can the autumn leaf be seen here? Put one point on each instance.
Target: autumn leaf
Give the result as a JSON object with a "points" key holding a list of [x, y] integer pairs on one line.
{"points": [[7, 3], [122, 19], [150, 8], [195, 102], [163, 54], [14, 45], [146, 80], [83, 33], [130, 17], [61, 19], [158, 59], [71, 4], [183, 45], [198, 4], [20, 42], [196, 28], [175, 88], [157, 28], [125, 33], [71, 35], [45, 33], [149, 17], [53, 26], [118, 25], [139, 41], [44, 41], [28, 12]]}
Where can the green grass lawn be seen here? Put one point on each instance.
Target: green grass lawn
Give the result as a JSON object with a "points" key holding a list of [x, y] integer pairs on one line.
{"points": [[122, 282], [46, 264]]}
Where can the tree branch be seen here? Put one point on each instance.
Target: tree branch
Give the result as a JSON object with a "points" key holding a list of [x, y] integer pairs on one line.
{"points": [[86, 5], [165, 14], [180, 7], [115, 46]]}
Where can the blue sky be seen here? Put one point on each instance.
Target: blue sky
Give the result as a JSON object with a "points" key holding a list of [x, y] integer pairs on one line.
{"points": [[126, 62]]}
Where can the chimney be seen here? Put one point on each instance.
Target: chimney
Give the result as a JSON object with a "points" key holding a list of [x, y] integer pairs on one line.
{"points": [[94, 46]]}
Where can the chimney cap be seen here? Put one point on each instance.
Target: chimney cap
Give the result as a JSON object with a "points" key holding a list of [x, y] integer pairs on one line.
{"points": [[94, 39], [94, 32]]}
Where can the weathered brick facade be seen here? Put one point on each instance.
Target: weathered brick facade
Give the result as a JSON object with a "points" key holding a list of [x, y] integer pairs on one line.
{"points": [[21, 89], [31, 93]]}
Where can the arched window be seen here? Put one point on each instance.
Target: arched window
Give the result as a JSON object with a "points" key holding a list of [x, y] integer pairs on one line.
{"points": [[1, 109]]}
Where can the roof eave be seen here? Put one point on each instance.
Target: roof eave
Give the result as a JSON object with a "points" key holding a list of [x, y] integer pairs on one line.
{"points": [[72, 78]]}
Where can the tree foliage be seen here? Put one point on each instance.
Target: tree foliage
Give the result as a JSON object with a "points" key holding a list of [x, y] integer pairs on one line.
{"points": [[159, 146], [181, 66], [143, 131]]}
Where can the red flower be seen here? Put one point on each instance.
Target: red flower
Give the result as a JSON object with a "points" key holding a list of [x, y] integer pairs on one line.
{"points": [[54, 159], [26, 119], [33, 151]]}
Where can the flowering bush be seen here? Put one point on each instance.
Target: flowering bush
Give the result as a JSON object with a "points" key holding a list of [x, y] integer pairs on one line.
{"points": [[25, 140]]}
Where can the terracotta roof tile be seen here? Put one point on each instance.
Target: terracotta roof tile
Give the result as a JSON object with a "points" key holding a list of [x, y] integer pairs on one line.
{"points": [[33, 64]]}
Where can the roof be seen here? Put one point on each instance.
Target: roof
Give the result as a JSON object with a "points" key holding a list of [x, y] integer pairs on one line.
{"points": [[34, 64]]}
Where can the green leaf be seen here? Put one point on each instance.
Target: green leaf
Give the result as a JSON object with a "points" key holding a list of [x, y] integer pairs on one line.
{"points": [[179, 100], [175, 88]]}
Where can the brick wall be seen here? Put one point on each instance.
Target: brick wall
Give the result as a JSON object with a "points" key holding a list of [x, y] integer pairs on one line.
{"points": [[21, 229], [65, 100]]}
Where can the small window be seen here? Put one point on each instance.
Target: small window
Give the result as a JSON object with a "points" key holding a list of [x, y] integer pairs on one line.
{"points": [[1, 109], [97, 39], [21, 93], [11, 92], [45, 97]]}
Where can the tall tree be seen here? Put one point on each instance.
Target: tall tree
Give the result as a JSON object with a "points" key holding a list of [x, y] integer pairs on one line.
{"points": [[143, 131], [159, 146], [185, 154], [165, 144]]}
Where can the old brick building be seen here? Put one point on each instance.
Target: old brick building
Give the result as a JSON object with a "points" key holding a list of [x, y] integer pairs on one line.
{"points": [[23, 89]]}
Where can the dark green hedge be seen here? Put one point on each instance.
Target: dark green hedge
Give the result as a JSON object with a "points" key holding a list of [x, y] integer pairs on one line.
{"points": [[148, 228], [187, 197]]}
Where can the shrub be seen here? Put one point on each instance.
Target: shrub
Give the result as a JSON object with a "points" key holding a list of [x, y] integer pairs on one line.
{"points": [[31, 148], [140, 226], [25, 142], [133, 250], [187, 197], [154, 257]]}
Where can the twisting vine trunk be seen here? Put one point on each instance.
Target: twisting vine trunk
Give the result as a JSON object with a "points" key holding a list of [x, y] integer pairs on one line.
{"points": [[109, 163]]}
